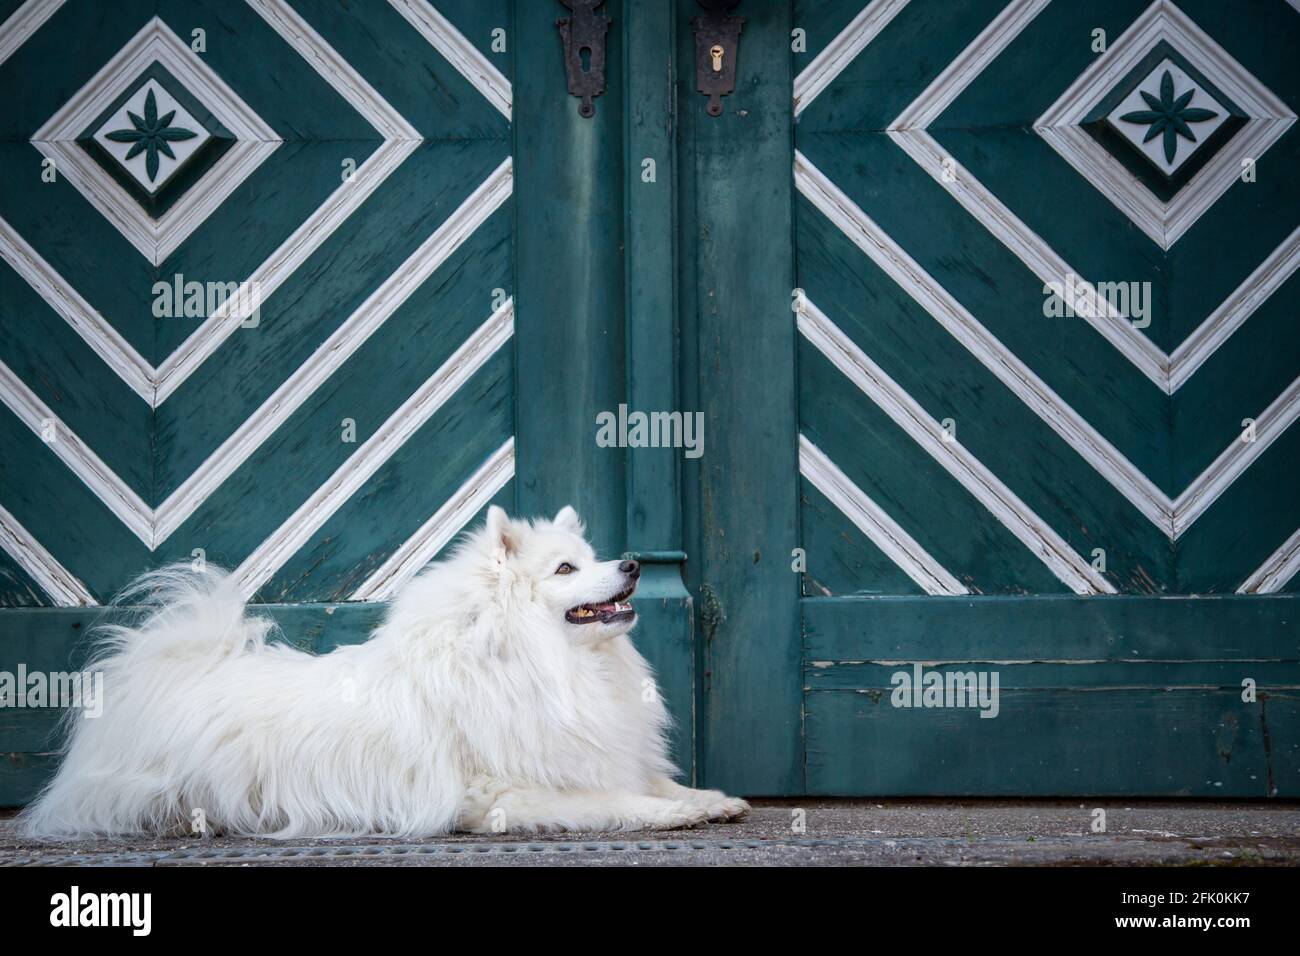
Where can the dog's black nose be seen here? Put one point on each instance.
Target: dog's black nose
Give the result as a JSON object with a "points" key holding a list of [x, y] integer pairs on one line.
{"points": [[630, 568]]}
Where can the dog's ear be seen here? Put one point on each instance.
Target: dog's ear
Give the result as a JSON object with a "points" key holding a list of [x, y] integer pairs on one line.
{"points": [[567, 520], [499, 530]]}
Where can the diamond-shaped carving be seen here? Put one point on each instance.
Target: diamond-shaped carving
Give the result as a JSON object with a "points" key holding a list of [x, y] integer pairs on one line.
{"points": [[1162, 122], [151, 135], [158, 194], [1167, 117]]}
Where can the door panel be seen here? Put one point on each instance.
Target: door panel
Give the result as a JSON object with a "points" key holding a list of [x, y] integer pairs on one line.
{"points": [[408, 183], [738, 346], [325, 436], [911, 459], [989, 486]]}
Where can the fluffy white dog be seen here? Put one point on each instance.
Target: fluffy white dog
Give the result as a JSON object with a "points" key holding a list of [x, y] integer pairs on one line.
{"points": [[500, 694]]}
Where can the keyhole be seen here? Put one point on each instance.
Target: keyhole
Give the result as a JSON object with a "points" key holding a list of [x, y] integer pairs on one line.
{"points": [[716, 53], [585, 55]]}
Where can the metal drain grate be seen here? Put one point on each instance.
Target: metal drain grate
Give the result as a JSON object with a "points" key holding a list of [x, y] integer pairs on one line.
{"points": [[258, 854]]}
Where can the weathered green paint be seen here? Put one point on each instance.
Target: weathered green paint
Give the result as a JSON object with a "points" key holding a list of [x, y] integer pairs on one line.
{"points": [[653, 485], [1079, 674], [334, 282], [569, 310], [1059, 741], [665, 637], [1098, 696], [674, 295], [1052, 628], [665, 633], [880, 458], [738, 340]]}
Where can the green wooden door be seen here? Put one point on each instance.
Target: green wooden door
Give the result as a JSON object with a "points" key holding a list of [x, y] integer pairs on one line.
{"points": [[443, 274], [1096, 507], [348, 172]]}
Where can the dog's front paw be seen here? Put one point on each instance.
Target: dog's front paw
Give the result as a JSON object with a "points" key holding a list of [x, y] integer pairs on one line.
{"points": [[719, 807], [725, 809], [678, 815]]}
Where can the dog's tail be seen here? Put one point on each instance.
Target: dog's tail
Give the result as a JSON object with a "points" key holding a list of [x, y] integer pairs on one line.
{"points": [[180, 611], [176, 620]]}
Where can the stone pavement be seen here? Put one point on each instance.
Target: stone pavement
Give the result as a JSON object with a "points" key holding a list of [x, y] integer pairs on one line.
{"points": [[834, 833]]}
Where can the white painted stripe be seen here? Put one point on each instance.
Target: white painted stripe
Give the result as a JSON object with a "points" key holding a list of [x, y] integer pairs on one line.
{"points": [[60, 296], [400, 140], [154, 527], [1236, 458], [872, 520], [1018, 518], [457, 51], [270, 556], [335, 70], [842, 50], [1272, 273], [58, 583], [1281, 566], [1034, 252], [23, 22], [76, 454], [970, 63], [447, 522], [997, 358], [335, 350], [908, 131]]}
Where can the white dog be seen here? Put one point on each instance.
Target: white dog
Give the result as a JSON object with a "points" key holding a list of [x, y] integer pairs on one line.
{"points": [[500, 694]]}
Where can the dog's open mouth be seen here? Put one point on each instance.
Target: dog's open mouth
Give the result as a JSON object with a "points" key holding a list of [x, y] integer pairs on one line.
{"points": [[604, 612]]}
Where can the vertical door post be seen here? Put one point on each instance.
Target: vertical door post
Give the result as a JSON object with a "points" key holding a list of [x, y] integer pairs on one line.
{"points": [[654, 524], [737, 277], [569, 319]]}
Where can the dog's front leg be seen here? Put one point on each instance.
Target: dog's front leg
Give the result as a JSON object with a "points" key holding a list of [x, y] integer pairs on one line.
{"points": [[516, 810], [716, 804]]}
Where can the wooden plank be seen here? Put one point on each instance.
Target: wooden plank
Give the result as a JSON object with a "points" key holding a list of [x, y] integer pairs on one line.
{"points": [[63, 514], [895, 67], [739, 340], [337, 282], [569, 280], [841, 559], [407, 70], [897, 472], [1247, 523], [64, 373], [976, 268], [653, 501], [1270, 675], [17, 588], [1057, 742], [1120, 695], [665, 633], [1209, 409], [421, 476], [1052, 628]]}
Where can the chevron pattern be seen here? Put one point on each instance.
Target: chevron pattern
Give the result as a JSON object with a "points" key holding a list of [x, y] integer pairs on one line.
{"points": [[344, 406], [958, 439]]}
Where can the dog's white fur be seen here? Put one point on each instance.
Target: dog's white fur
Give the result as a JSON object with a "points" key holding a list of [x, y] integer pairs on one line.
{"points": [[476, 705]]}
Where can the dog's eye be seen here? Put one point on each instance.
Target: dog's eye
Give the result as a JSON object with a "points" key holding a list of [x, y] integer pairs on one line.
{"points": [[565, 568]]}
